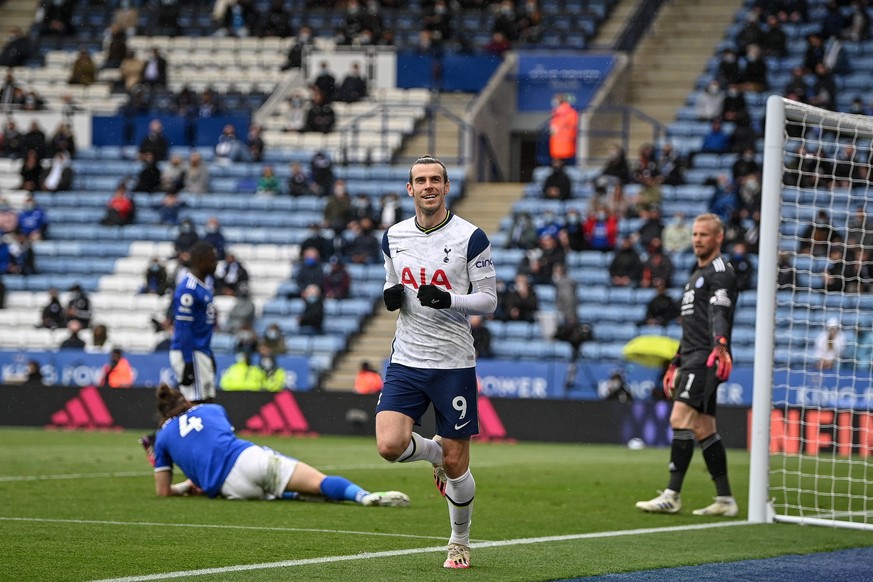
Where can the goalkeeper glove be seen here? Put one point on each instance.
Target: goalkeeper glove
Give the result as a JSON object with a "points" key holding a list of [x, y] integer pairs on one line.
{"points": [[433, 296], [720, 357], [187, 378], [671, 376], [393, 297]]}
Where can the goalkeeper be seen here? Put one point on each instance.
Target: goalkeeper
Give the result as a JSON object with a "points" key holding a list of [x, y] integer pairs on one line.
{"points": [[702, 363]]}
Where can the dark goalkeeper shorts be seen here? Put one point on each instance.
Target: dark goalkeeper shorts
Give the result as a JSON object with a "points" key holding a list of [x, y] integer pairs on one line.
{"points": [[698, 388]]}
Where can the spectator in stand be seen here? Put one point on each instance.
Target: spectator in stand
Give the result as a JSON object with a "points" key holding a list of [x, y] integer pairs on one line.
{"points": [[670, 166], [55, 18], [863, 349], [196, 175], [35, 139], [235, 17], [149, 177], [115, 45], [390, 210], [522, 233], [734, 104], [728, 71], [299, 183], [268, 183], [716, 141], [273, 340], [337, 283], [505, 20], [255, 143], [857, 26], [662, 309], [498, 44], [320, 117], [31, 171], [170, 208], [156, 279], [830, 344], [814, 53], [154, 72], [186, 237], [566, 298], [601, 230], [311, 321], [744, 135], [315, 239], [549, 224], [709, 102], [207, 107], [338, 209], [616, 167], [8, 217], [229, 148], [557, 185], [325, 82], [22, 260], [120, 209], [363, 246], [676, 236], [354, 86], [818, 237], [754, 75], [295, 53], [649, 195], [9, 90], [652, 227], [215, 237], [848, 167], [53, 314], [12, 144], [539, 263], [173, 174], [79, 307], [368, 380], [298, 110], [626, 268], [739, 259], [751, 32], [73, 341], [310, 271], [657, 267], [774, 42], [230, 276], [34, 375], [725, 199], [520, 302], [481, 337], [321, 171], [860, 229], [32, 220], [797, 85], [131, 68], [16, 51], [154, 142], [362, 207], [63, 140], [84, 70], [824, 88], [276, 21], [58, 177], [99, 340]]}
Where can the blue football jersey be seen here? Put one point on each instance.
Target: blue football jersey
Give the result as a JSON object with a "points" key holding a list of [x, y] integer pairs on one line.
{"points": [[202, 444], [193, 318]]}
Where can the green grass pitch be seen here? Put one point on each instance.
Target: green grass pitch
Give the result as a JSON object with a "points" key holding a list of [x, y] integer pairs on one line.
{"points": [[81, 506]]}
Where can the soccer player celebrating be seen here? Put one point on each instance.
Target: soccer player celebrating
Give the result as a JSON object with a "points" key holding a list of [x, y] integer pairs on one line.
{"points": [[199, 439], [438, 270], [193, 322], [704, 356]]}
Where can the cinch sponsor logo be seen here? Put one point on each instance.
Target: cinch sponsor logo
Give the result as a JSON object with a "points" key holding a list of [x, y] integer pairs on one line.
{"points": [[485, 263]]}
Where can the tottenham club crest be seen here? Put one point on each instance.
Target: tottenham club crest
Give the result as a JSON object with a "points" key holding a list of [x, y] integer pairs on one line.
{"points": [[446, 250]]}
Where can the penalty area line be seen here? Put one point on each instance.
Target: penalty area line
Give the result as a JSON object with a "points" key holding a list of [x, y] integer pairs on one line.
{"points": [[413, 551]]}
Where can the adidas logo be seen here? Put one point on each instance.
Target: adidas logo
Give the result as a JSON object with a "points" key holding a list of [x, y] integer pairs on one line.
{"points": [[282, 416], [85, 411]]}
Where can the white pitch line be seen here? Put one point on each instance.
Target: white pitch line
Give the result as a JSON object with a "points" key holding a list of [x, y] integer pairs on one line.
{"points": [[11, 478], [220, 526], [391, 553]]}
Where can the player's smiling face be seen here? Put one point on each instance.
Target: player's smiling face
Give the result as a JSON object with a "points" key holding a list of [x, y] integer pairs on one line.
{"points": [[428, 188]]}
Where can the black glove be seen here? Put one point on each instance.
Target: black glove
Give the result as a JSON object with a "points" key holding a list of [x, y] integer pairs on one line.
{"points": [[393, 297], [187, 378], [433, 296]]}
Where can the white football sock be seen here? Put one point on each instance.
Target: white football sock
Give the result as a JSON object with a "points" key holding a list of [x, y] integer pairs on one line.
{"points": [[422, 449], [459, 495]]}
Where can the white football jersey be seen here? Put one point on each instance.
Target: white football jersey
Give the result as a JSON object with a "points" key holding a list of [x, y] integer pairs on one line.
{"points": [[450, 256]]}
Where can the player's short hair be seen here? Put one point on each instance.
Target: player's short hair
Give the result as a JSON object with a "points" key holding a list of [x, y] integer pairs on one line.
{"points": [[201, 250], [714, 219], [428, 159]]}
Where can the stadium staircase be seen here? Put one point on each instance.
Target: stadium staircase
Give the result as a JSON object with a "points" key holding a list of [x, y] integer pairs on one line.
{"points": [[667, 62], [18, 13]]}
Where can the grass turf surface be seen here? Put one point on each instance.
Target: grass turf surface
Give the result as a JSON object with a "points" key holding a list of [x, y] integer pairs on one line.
{"points": [[81, 506]]}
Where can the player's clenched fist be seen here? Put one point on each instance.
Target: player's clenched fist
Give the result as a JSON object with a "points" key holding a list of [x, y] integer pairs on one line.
{"points": [[393, 297], [433, 296], [671, 376], [721, 358]]}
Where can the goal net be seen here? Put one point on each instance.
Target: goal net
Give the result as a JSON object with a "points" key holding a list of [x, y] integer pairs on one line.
{"points": [[812, 414]]}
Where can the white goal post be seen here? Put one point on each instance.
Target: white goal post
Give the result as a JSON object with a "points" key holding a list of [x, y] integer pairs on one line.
{"points": [[812, 423]]}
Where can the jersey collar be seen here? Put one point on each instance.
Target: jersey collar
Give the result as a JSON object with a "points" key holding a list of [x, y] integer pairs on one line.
{"points": [[435, 227]]}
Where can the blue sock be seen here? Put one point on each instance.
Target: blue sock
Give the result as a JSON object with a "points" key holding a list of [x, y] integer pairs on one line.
{"points": [[341, 489]]}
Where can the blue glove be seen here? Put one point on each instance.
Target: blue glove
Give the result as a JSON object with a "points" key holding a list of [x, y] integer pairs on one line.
{"points": [[434, 297]]}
